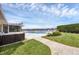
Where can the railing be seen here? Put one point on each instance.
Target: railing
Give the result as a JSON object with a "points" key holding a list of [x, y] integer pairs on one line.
{"points": [[7, 38]]}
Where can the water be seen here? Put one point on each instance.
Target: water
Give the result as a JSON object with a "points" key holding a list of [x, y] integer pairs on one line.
{"points": [[36, 33]]}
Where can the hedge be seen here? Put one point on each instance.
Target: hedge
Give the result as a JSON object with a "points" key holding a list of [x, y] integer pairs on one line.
{"points": [[73, 28]]}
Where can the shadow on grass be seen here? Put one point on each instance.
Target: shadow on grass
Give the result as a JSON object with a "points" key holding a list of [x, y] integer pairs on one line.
{"points": [[7, 50]]}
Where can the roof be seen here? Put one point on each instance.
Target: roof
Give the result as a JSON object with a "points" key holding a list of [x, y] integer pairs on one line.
{"points": [[2, 18]]}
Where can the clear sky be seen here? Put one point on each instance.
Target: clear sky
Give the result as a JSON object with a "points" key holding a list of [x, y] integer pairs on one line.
{"points": [[43, 15]]}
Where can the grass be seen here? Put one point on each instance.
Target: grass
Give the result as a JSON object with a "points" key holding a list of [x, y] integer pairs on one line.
{"points": [[66, 38], [31, 47]]}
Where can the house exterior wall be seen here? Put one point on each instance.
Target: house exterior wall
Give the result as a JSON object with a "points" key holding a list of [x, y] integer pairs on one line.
{"points": [[2, 18]]}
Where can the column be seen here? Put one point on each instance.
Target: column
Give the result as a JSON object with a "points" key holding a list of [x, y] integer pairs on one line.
{"points": [[2, 28], [8, 28]]}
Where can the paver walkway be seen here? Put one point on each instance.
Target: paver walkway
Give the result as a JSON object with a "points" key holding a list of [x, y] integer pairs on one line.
{"points": [[57, 48]]}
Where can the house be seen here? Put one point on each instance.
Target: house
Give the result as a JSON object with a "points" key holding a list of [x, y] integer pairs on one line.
{"points": [[10, 32], [6, 27]]}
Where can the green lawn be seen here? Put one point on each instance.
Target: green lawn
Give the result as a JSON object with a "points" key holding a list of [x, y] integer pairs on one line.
{"points": [[66, 38], [31, 47]]}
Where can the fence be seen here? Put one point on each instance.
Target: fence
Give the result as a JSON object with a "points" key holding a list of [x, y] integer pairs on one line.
{"points": [[11, 38]]}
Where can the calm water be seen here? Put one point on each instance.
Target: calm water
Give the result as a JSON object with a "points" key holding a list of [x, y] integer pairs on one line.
{"points": [[37, 33]]}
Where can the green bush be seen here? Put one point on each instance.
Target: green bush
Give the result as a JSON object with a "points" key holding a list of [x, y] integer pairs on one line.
{"points": [[56, 33], [73, 28], [49, 34]]}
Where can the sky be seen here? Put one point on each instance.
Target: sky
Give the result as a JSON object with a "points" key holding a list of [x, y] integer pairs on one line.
{"points": [[41, 15]]}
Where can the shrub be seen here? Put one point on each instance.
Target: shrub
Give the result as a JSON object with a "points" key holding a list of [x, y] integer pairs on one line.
{"points": [[49, 34], [56, 33]]}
